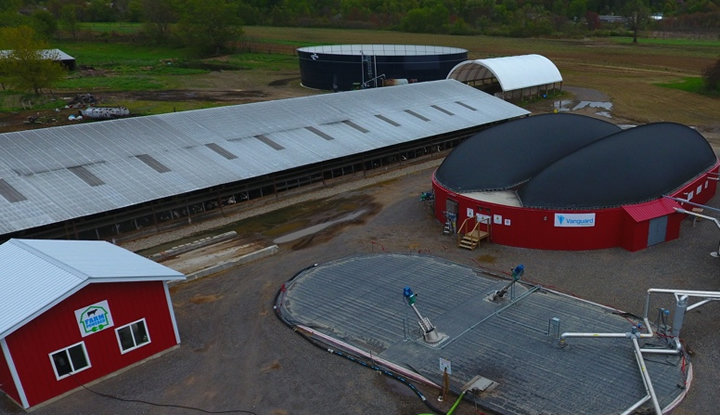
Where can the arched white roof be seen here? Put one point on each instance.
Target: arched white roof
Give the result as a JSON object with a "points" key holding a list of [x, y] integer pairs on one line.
{"points": [[512, 72]]}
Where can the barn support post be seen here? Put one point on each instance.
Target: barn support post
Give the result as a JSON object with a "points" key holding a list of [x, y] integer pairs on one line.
{"points": [[220, 204], [275, 188], [155, 222]]}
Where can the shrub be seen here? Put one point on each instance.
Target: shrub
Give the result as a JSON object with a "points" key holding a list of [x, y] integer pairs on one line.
{"points": [[711, 76]]}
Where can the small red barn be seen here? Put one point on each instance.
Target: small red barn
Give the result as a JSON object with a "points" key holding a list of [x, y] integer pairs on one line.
{"points": [[72, 312]]}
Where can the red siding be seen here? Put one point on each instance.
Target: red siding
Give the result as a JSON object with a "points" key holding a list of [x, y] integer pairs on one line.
{"points": [[534, 228], [635, 234], [57, 329], [6, 381]]}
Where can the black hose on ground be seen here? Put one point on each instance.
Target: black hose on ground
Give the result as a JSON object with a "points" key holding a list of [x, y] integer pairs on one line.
{"points": [[355, 359]]}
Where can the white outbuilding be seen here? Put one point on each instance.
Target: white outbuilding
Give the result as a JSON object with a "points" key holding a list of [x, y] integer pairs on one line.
{"points": [[511, 77]]}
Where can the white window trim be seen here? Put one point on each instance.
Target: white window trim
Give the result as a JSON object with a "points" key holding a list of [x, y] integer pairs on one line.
{"points": [[137, 346], [87, 359]]}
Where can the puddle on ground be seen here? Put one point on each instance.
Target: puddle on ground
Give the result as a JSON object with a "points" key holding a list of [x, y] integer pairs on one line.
{"points": [[317, 228], [604, 114], [562, 105], [593, 104], [565, 106]]}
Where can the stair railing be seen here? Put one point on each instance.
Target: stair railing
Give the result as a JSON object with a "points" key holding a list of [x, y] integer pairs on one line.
{"points": [[460, 233]]}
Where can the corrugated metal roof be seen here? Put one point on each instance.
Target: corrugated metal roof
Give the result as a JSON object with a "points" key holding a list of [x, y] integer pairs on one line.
{"points": [[36, 163], [512, 72], [651, 210], [55, 54], [37, 274]]}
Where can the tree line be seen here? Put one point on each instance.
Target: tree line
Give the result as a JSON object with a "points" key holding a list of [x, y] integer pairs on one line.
{"points": [[206, 24], [214, 27]]}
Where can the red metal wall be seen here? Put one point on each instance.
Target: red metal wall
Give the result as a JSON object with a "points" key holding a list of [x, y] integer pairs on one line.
{"points": [[706, 186], [534, 228], [6, 381], [57, 328]]}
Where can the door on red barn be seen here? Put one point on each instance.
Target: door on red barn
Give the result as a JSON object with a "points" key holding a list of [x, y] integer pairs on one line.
{"points": [[657, 230], [451, 213]]}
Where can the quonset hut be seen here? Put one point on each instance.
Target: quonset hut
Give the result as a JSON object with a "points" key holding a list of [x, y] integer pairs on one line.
{"points": [[510, 77], [569, 182], [346, 67]]}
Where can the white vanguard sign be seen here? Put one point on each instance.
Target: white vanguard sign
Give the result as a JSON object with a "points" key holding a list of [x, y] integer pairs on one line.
{"points": [[574, 220]]}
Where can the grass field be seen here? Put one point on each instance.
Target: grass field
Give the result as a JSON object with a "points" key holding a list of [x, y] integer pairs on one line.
{"points": [[628, 73], [655, 80]]}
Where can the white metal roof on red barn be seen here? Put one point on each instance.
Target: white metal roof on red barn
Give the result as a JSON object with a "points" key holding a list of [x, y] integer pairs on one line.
{"points": [[512, 72], [35, 275]]}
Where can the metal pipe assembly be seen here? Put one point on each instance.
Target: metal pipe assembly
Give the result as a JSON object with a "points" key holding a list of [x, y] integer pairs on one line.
{"points": [[429, 333], [646, 376], [682, 306], [700, 215]]}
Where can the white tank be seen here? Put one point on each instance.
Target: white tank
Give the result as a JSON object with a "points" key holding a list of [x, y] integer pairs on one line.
{"points": [[101, 113]]}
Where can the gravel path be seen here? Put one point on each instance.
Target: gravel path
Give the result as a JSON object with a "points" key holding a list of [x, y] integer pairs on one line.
{"points": [[235, 354]]}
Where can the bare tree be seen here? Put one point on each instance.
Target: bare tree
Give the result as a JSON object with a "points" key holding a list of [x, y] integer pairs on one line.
{"points": [[637, 14]]}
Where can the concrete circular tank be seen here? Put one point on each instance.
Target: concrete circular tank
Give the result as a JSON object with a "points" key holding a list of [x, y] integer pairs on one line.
{"points": [[346, 67]]}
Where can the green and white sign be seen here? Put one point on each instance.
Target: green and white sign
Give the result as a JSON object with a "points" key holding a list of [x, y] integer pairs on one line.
{"points": [[94, 318]]}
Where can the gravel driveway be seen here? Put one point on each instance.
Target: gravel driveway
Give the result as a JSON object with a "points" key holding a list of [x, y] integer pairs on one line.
{"points": [[236, 355]]}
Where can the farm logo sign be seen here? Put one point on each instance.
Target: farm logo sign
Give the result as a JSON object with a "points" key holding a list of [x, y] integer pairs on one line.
{"points": [[574, 220], [94, 318]]}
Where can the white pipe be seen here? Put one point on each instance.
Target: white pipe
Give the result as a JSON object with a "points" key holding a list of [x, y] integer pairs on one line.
{"points": [[646, 377], [690, 293], [693, 203], [639, 403], [606, 335], [663, 351], [699, 215], [647, 335], [699, 303]]}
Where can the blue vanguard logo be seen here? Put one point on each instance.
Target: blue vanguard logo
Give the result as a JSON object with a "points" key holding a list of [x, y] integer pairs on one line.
{"points": [[574, 220]]}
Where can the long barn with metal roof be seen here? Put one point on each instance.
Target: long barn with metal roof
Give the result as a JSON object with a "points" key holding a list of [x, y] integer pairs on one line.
{"points": [[107, 179]]}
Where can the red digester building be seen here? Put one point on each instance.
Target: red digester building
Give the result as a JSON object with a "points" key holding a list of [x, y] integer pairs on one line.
{"points": [[72, 312], [571, 182]]}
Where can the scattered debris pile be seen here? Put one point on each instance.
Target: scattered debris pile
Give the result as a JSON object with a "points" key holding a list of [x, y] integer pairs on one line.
{"points": [[87, 105], [82, 101], [39, 119]]}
